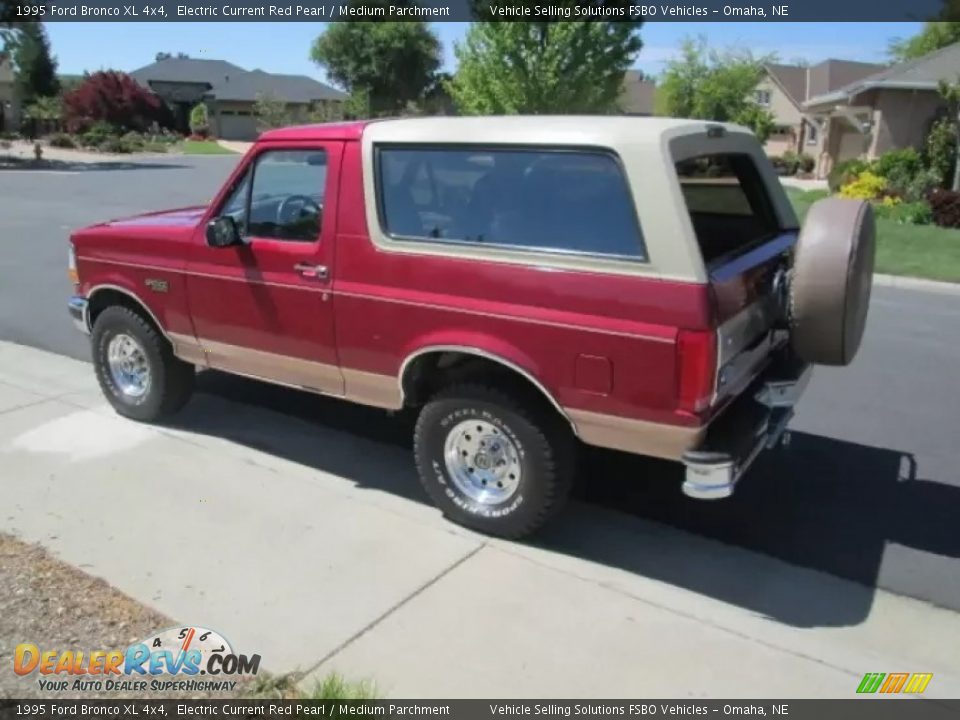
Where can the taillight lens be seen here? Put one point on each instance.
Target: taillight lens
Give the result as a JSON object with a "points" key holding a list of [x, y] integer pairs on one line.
{"points": [[697, 364], [72, 266]]}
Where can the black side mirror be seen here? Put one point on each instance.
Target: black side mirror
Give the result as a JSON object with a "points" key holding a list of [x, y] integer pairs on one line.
{"points": [[223, 232]]}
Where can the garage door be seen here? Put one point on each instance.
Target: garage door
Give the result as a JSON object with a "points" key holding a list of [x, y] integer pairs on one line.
{"points": [[237, 127]]}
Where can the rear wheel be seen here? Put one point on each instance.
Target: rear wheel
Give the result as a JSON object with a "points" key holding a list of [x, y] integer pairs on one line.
{"points": [[492, 462], [136, 368]]}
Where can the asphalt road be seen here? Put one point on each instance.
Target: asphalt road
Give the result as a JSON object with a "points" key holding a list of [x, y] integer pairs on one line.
{"points": [[868, 489]]}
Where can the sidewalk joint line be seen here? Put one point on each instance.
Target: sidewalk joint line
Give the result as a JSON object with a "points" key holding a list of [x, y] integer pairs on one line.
{"points": [[300, 675]]}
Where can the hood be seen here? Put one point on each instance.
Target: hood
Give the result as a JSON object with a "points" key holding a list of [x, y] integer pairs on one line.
{"points": [[181, 217]]}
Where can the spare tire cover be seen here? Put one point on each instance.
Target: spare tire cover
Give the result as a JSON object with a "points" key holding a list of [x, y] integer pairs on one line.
{"points": [[831, 281]]}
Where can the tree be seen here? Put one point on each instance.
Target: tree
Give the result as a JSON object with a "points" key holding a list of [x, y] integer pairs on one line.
{"points": [[167, 56], [35, 68], [712, 85], [543, 67], [933, 36], [44, 109], [114, 98], [270, 112], [390, 63], [950, 92], [200, 120]]}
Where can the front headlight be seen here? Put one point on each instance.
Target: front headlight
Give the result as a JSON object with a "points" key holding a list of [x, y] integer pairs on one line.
{"points": [[72, 266]]}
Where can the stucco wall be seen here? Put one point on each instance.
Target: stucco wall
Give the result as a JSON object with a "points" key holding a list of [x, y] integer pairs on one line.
{"points": [[901, 118]]}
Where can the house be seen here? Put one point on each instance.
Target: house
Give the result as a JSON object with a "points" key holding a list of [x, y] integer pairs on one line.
{"points": [[893, 108], [230, 92], [9, 106], [637, 94], [785, 89]]}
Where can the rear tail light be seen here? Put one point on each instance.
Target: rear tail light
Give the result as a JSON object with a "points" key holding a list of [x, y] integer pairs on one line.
{"points": [[72, 266], [697, 364]]}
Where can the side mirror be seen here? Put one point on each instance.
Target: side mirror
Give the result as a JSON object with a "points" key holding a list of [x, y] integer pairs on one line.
{"points": [[223, 232]]}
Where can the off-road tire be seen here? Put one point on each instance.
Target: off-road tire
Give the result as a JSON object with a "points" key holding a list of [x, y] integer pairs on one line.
{"points": [[172, 380], [546, 449]]}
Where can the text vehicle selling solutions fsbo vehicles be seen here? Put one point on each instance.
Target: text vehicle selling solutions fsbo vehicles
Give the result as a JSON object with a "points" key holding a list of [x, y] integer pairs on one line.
{"points": [[638, 284]]}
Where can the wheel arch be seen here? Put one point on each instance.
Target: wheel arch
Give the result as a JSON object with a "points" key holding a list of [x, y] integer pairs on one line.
{"points": [[99, 299], [447, 355]]}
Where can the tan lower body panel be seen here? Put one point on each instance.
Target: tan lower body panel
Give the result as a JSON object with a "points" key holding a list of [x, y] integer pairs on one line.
{"points": [[640, 437], [363, 387]]}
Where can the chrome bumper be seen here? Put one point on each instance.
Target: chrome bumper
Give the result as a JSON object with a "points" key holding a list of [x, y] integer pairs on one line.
{"points": [[739, 436], [77, 306]]}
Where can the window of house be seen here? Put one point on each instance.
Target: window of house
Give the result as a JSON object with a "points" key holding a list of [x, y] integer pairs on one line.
{"points": [[285, 201], [543, 200], [763, 97], [813, 133]]}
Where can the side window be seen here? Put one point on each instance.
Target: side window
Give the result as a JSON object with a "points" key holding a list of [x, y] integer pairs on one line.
{"points": [[542, 200], [286, 200]]}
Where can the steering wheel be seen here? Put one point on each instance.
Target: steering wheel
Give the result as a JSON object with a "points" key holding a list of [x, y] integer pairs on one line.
{"points": [[295, 204]]}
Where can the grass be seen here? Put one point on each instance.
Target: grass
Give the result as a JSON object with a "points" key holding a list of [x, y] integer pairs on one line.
{"points": [[924, 251], [332, 686], [204, 147]]}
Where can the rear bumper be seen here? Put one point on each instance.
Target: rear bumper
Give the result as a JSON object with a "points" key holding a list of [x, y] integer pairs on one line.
{"points": [[77, 307], [753, 423]]}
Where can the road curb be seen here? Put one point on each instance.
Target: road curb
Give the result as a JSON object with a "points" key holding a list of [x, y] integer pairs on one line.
{"points": [[911, 283]]}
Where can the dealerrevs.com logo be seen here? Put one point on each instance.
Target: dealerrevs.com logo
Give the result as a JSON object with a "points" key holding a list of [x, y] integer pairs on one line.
{"points": [[191, 659]]}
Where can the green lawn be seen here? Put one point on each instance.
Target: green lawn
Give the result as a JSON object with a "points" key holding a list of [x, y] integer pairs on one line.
{"points": [[925, 251], [204, 147]]}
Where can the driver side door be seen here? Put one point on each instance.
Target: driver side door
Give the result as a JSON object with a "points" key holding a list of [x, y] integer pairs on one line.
{"points": [[263, 307]]}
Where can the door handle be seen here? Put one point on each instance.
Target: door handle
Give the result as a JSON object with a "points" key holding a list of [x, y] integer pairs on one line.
{"points": [[307, 270]]}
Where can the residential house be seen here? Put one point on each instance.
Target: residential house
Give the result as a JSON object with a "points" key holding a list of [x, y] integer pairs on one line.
{"points": [[637, 94], [785, 89], [230, 92], [9, 106], [893, 108]]}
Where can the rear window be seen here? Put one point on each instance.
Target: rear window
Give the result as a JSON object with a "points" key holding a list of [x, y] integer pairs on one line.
{"points": [[728, 204], [566, 201]]}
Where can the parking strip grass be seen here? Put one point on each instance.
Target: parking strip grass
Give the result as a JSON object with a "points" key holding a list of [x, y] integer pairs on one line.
{"points": [[204, 147], [923, 251]]}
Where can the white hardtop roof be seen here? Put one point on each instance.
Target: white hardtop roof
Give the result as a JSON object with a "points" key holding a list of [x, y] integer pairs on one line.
{"points": [[587, 130]]}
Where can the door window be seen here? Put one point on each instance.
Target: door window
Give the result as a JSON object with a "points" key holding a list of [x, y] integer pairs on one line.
{"points": [[285, 201]]}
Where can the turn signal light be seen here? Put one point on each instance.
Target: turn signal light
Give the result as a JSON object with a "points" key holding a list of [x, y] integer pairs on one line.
{"points": [[697, 369]]}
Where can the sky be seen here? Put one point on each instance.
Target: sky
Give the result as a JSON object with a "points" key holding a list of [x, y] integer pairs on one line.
{"points": [[128, 46]]}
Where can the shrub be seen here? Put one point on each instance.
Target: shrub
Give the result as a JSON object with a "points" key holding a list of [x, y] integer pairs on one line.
{"points": [[940, 152], [62, 140], [845, 172], [866, 186], [900, 164], [906, 213], [98, 133], [136, 141], [945, 206], [116, 145], [920, 186], [5, 144], [152, 146], [807, 163], [116, 99], [199, 120]]}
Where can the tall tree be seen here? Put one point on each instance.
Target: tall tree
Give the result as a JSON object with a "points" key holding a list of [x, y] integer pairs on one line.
{"points": [[714, 85], [933, 36], [35, 67], [390, 63], [543, 67], [950, 92]]}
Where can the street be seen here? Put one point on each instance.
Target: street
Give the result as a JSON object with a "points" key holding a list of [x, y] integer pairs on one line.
{"points": [[868, 489]]}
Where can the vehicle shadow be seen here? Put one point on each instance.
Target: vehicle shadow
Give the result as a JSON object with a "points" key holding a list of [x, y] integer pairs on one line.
{"points": [[821, 503], [26, 165]]}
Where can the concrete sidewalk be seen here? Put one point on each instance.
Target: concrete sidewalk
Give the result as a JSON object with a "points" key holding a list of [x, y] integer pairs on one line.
{"points": [[315, 549]]}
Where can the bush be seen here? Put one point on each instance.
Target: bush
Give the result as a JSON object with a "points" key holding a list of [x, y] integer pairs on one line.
{"points": [[62, 140], [845, 172], [199, 120], [786, 164], [866, 186], [9, 135], [134, 140], [905, 213], [945, 206], [920, 186], [807, 163], [898, 164], [152, 146], [98, 133], [116, 145], [940, 152], [114, 98]]}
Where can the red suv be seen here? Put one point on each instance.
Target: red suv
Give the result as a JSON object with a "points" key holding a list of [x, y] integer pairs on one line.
{"points": [[527, 283]]}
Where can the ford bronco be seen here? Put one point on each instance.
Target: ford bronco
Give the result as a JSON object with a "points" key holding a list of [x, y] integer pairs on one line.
{"points": [[525, 283]]}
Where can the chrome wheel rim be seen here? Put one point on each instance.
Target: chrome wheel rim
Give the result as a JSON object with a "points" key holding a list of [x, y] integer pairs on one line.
{"points": [[482, 462], [128, 365]]}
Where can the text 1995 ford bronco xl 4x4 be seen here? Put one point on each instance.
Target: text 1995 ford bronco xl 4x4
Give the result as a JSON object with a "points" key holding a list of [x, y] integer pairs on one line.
{"points": [[639, 284]]}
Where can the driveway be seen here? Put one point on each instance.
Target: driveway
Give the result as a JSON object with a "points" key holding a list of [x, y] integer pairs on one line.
{"points": [[868, 490]]}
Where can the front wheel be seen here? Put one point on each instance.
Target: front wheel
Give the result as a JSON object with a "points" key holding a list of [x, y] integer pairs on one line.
{"points": [[491, 462], [136, 368]]}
